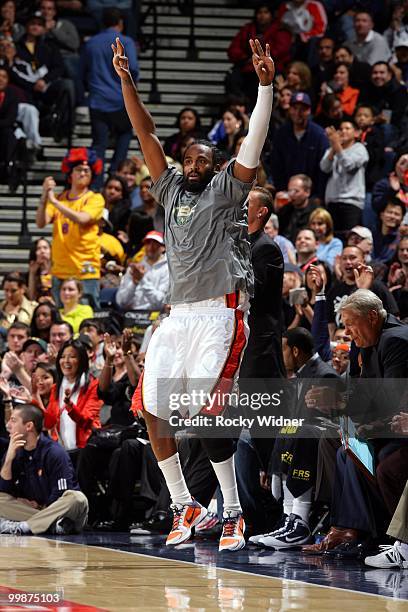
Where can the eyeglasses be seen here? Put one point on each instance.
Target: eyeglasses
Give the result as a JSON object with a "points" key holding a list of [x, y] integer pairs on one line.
{"points": [[84, 169]]}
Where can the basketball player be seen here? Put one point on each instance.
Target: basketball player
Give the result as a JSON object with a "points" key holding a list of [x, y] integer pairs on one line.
{"points": [[200, 345]]}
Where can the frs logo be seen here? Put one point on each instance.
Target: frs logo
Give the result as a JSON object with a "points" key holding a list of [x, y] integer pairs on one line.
{"points": [[301, 474]]}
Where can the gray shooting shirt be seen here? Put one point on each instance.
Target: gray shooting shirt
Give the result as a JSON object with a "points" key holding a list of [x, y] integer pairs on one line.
{"points": [[206, 236]]}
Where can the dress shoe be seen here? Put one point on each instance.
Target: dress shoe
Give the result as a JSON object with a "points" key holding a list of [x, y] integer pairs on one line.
{"points": [[159, 522], [353, 550], [335, 537], [109, 526], [343, 551]]}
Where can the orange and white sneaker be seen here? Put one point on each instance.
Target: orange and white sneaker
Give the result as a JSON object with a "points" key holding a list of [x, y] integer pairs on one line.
{"points": [[233, 529], [185, 517]]}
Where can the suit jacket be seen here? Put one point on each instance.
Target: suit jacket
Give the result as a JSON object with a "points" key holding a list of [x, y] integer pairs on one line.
{"points": [[387, 362], [263, 356], [389, 357]]}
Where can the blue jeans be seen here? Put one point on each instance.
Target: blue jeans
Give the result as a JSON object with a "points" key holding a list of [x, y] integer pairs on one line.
{"points": [[103, 124], [90, 287], [71, 65]]}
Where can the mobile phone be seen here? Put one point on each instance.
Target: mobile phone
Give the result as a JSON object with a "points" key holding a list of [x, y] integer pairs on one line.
{"points": [[297, 296]]}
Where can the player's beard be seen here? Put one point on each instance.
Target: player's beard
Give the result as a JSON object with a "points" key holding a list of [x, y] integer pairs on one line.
{"points": [[198, 186]]}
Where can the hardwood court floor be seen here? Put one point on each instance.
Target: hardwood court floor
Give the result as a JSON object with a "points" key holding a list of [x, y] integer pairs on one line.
{"points": [[97, 577]]}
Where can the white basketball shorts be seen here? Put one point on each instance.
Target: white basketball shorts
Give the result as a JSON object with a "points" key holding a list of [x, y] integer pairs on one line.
{"points": [[193, 358]]}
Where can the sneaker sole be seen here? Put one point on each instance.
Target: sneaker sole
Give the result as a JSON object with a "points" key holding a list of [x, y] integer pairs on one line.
{"points": [[389, 566], [282, 545], [238, 546], [187, 535]]}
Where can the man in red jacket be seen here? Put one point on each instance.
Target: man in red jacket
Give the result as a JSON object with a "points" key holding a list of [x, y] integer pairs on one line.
{"points": [[242, 80]]}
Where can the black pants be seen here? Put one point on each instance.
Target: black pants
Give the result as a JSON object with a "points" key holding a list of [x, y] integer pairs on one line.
{"points": [[345, 216], [120, 467], [356, 501], [392, 475], [326, 469]]}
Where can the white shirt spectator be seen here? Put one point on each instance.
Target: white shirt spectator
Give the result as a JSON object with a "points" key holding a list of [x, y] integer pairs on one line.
{"points": [[149, 293], [367, 45]]}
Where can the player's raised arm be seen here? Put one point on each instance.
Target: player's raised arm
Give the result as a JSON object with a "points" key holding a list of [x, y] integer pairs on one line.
{"points": [[249, 154], [139, 116]]}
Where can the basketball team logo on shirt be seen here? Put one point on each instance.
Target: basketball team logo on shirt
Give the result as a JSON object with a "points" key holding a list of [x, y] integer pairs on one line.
{"points": [[184, 209]]}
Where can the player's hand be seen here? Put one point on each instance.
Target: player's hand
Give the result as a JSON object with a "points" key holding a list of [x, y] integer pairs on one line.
{"points": [[67, 396], [262, 61], [120, 61]]}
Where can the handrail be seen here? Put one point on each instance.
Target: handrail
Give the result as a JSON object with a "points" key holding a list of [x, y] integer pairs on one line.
{"points": [[24, 239], [147, 42], [187, 7]]}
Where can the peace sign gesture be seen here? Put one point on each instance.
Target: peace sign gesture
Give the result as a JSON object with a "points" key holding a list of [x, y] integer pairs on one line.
{"points": [[262, 61], [120, 61]]}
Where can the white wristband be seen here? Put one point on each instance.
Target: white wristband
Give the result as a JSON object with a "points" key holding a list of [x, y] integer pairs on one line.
{"points": [[251, 147]]}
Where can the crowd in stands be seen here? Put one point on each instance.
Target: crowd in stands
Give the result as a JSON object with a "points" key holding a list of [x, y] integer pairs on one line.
{"points": [[334, 177]]}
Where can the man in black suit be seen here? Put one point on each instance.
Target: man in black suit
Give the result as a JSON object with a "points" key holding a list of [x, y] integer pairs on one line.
{"points": [[358, 510], [295, 458], [263, 355], [383, 343], [262, 365]]}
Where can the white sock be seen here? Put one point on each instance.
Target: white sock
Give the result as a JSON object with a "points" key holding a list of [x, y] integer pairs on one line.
{"points": [[225, 472], [276, 486], [302, 505], [287, 498], [174, 478]]}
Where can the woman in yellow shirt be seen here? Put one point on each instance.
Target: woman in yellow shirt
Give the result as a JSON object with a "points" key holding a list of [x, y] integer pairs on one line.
{"points": [[72, 311]]}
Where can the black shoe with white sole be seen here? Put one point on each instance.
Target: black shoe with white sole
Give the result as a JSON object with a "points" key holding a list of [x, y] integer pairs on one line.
{"points": [[297, 533]]}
